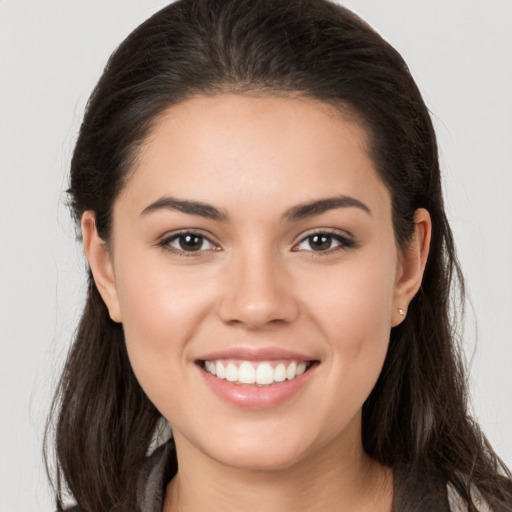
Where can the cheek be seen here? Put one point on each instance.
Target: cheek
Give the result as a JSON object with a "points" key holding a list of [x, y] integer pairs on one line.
{"points": [[353, 310], [161, 310], [159, 298], [354, 299]]}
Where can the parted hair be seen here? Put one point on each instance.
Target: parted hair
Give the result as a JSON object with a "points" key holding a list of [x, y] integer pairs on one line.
{"points": [[416, 419]]}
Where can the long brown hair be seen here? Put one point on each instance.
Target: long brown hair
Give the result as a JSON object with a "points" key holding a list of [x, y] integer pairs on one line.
{"points": [[416, 419]]}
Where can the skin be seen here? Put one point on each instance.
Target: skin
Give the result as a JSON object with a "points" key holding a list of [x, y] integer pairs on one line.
{"points": [[259, 283]]}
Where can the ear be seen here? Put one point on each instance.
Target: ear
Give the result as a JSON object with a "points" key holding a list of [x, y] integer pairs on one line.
{"points": [[411, 266], [100, 262]]}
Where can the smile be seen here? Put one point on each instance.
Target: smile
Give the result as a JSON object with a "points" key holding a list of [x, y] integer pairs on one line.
{"points": [[257, 378], [261, 373]]}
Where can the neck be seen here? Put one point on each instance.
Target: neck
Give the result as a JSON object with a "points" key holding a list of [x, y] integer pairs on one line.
{"points": [[325, 482]]}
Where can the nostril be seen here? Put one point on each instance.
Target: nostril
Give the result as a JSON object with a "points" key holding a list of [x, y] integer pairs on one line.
{"points": [[254, 314]]}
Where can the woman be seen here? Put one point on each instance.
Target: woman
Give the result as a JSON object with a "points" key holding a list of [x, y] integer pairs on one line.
{"points": [[258, 190]]}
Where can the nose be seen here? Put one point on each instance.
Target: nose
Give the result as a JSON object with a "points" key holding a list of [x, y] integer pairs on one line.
{"points": [[258, 291]]}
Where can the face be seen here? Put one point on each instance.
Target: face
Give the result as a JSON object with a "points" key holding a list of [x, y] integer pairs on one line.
{"points": [[253, 240]]}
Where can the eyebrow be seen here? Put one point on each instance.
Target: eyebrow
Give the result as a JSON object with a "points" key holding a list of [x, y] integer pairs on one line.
{"points": [[319, 206], [294, 214], [190, 207]]}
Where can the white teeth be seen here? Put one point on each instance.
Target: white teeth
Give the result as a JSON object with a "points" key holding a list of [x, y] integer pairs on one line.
{"points": [[291, 371], [246, 373], [231, 373], [280, 373], [262, 374], [219, 368]]}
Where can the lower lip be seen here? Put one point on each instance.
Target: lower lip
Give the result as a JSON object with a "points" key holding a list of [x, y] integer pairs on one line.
{"points": [[251, 396]]}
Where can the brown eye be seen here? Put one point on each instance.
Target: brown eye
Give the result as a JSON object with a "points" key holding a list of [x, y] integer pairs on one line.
{"points": [[188, 242], [324, 242], [320, 242]]}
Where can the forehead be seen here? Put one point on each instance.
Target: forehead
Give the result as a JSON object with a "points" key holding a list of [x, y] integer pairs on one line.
{"points": [[236, 149]]}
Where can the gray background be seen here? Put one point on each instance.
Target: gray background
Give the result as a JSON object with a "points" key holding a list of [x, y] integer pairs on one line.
{"points": [[53, 51]]}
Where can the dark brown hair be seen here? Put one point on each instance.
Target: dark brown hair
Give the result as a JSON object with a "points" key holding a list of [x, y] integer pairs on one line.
{"points": [[416, 419]]}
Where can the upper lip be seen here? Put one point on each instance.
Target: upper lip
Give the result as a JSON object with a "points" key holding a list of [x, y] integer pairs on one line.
{"points": [[256, 354]]}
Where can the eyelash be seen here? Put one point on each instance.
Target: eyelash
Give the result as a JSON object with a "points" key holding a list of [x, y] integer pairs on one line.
{"points": [[343, 241], [167, 240]]}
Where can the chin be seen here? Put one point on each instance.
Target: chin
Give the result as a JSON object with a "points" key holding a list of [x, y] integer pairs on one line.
{"points": [[254, 452], [261, 460]]}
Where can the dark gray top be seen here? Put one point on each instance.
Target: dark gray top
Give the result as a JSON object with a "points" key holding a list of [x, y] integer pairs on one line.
{"points": [[158, 470]]}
